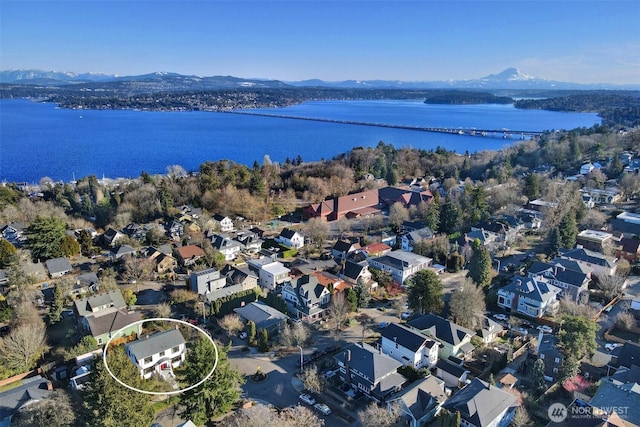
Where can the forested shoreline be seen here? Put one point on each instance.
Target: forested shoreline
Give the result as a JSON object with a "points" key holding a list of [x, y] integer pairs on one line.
{"points": [[616, 108]]}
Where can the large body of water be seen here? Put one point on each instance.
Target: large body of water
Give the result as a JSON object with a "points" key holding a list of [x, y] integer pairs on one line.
{"points": [[38, 140]]}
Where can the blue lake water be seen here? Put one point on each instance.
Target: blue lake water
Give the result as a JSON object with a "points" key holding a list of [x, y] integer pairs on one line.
{"points": [[38, 139]]}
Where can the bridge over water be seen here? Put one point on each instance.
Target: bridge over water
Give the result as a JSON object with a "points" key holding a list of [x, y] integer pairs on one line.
{"points": [[492, 133]]}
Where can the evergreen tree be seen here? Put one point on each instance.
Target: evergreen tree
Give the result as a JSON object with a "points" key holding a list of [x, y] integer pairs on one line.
{"points": [[531, 187], [45, 235], [7, 253], [425, 292], [363, 293], [352, 299], [69, 246], [263, 341], [251, 330], [476, 200], [578, 336], [450, 218], [480, 265], [86, 242], [432, 218], [568, 230], [217, 394], [110, 404], [57, 304], [555, 241], [537, 376], [569, 368]]}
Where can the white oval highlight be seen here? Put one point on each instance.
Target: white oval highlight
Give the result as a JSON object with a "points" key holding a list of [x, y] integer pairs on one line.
{"points": [[122, 383]]}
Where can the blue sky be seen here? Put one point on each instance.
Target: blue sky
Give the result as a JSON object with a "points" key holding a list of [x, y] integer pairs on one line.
{"points": [[578, 41]]}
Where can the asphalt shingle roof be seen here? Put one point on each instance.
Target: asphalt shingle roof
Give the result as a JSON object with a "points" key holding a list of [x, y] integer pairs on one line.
{"points": [[442, 329], [156, 343], [404, 336], [479, 403], [366, 359]]}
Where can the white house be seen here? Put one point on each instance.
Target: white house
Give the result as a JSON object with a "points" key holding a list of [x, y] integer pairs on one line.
{"points": [[409, 346], [271, 273], [227, 246], [157, 353], [205, 281], [400, 264], [529, 296], [307, 298], [290, 238], [224, 223]]}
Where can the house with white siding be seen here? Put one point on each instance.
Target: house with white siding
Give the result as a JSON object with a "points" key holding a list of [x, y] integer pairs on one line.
{"points": [[156, 353]]}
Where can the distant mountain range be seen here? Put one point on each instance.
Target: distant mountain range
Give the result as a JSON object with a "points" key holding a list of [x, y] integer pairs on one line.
{"points": [[511, 78]]}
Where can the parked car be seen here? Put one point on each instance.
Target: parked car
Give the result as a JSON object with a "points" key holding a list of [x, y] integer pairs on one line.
{"points": [[545, 328], [500, 316], [329, 374], [308, 399], [383, 325], [610, 346], [242, 335], [322, 408], [406, 315]]}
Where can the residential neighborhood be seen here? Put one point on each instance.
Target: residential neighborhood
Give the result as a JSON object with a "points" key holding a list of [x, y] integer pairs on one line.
{"points": [[361, 304]]}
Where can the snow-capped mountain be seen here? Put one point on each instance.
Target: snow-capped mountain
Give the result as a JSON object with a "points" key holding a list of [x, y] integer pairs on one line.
{"points": [[33, 76], [510, 79]]}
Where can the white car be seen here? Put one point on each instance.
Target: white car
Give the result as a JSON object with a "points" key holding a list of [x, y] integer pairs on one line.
{"points": [[308, 399], [500, 316], [243, 335], [322, 408], [545, 328], [612, 345], [406, 315]]}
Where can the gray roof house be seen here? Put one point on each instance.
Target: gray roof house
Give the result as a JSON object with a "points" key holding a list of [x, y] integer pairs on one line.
{"points": [[550, 354], [306, 297], [455, 340], [593, 260], [452, 373], [573, 283], [410, 239], [122, 251], [104, 314], [624, 396], [421, 401], [529, 296], [205, 281], [342, 248], [400, 264], [370, 371], [86, 282], [157, 353], [263, 315], [409, 346], [32, 390], [58, 267], [482, 405]]}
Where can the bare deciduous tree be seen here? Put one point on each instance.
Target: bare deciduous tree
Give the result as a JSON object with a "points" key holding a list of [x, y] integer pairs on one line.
{"points": [[610, 284], [379, 416], [521, 417], [23, 346], [572, 308], [262, 416], [397, 215], [138, 269], [162, 310], [467, 305], [625, 320], [338, 312], [300, 333], [231, 323], [54, 411], [312, 379], [300, 416]]}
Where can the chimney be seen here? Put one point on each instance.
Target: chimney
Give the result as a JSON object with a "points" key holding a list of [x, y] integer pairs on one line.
{"points": [[49, 385]]}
